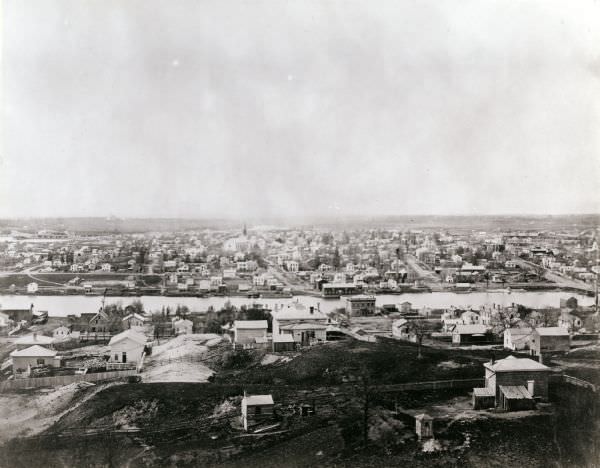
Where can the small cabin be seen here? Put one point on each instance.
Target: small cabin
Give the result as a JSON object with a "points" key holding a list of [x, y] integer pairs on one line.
{"points": [[256, 409]]}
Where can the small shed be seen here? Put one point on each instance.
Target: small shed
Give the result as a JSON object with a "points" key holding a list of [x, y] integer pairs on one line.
{"points": [[256, 409], [515, 398], [424, 426], [484, 398], [284, 342], [469, 334], [550, 339]]}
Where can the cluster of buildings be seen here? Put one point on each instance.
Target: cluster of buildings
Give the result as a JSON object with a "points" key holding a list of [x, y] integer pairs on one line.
{"points": [[291, 326], [335, 262]]}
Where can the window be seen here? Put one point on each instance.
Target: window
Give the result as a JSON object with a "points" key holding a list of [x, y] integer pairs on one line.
{"points": [[257, 410], [41, 362], [116, 357]]}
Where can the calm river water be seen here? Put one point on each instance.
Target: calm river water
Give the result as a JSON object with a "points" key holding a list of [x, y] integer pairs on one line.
{"points": [[61, 306]]}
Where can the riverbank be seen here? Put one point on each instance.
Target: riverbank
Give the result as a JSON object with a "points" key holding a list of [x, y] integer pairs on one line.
{"points": [[63, 305], [156, 291]]}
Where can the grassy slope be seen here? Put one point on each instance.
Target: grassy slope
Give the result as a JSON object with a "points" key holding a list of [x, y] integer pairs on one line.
{"points": [[385, 363]]}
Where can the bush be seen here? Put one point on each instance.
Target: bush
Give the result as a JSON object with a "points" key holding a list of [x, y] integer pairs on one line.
{"points": [[236, 359]]}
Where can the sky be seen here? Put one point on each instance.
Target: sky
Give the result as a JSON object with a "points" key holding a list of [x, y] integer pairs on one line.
{"points": [[240, 109]]}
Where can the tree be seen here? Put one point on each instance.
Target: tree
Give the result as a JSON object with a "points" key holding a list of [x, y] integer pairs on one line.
{"points": [[136, 307], [336, 258], [420, 328], [213, 326]]}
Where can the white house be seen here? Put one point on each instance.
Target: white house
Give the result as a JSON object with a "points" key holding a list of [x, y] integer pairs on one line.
{"points": [[32, 288], [33, 356], [127, 346], [306, 325], [106, 267], [246, 331]]}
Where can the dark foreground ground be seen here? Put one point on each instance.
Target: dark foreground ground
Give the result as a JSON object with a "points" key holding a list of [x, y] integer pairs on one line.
{"points": [[191, 424]]}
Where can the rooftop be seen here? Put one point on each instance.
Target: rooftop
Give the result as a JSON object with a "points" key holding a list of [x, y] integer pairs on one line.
{"points": [[298, 311], [304, 326], [361, 297], [34, 351], [512, 363], [471, 329], [256, 400], [128, 334], [250, 324], [515, 392]]}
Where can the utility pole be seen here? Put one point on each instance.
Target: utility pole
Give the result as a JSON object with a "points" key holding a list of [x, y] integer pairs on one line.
{"points": [[366, 409]]}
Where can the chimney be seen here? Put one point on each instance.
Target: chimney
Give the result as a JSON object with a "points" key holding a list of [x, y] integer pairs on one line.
{"points": [[493, 358], [531, 386]]}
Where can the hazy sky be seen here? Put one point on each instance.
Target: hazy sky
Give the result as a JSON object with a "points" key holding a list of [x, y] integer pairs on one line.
{"points": [[291, 108]]}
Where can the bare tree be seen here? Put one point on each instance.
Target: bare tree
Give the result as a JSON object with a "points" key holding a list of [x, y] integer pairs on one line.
{"points": [[420, 328]]}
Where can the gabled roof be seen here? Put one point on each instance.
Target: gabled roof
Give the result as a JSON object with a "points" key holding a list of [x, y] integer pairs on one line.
{"points": [[34, 351], [512, 363], [250, 324], [136, 316], [102, 315], [185, 322], [128, 334]]}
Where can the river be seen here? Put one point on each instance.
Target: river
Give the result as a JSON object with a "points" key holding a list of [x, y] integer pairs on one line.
{"points": [[61, 306]]}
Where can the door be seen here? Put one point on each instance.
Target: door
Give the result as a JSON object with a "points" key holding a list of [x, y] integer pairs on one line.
{"points": [[124, 356]]}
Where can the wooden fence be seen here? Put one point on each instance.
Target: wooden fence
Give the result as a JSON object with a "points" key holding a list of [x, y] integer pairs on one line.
{"points": [[431, 385], [580, 383], [63, 380]]}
